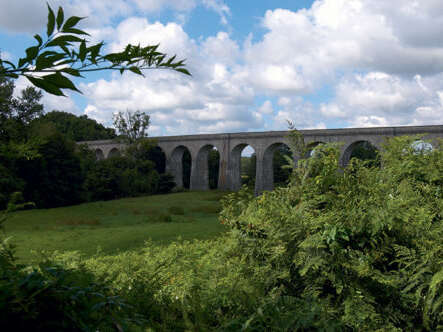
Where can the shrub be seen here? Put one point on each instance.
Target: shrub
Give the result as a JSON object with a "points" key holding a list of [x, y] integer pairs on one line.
{"points": [[360, 246], [166, 183], [164, 217], [54, 298], [178, 210]]}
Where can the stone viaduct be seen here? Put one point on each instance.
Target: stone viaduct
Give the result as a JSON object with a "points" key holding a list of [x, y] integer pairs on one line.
{"points": [[230, 147]]}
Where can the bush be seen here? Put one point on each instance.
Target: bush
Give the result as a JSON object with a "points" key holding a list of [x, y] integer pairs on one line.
{"points": [[164, 217], [361, 246], [55, 298], [177, 210], [166, 183]]}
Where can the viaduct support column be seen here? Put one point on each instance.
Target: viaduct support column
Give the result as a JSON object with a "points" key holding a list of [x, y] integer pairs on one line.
{"points": [[174, 166], [199, 169], [224, 174]]}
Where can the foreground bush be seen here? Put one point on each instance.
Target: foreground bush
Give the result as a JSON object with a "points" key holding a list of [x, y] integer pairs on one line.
{"points": [[359, 249]]}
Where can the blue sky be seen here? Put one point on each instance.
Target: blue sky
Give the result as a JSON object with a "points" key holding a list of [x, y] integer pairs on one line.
{"points": [[256, 64]]}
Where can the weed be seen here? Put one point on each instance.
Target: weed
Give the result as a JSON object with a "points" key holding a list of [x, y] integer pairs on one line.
{"points": [[177, 210], [207, 209]]}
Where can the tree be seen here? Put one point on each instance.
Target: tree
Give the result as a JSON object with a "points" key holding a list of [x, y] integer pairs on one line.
{"points": [[132, 126], [77, 128], [65, 52], [16, 113]]}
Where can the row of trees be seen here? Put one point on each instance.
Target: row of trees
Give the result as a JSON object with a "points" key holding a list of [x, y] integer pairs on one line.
{"points": [[40, 160]]}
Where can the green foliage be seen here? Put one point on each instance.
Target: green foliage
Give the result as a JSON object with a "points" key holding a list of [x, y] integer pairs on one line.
{"points": [[177, 210], [361, 247], [52, 298], [55, 177], [281, 173], [65, 51], [165, 183], [77, 128], [132, 126], [17, 112], [121, 176]]}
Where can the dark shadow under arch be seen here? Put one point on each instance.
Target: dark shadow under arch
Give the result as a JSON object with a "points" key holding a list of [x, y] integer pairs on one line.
{"points": [[273, 162], [99, 155], [362, 150], [181, 162], [114, 153]]}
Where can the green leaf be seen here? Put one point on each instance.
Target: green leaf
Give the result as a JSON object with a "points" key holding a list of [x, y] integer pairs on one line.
{"points": [[136, 70], [60, 17], [31, 53], [51, 21], [63, 40], [83, 51], [76, 31], [94, 51], [71, 71], [21, 62], [39, 40], [42, 83], [183, 70], [61, 81], [71, 22], [44, 61]]}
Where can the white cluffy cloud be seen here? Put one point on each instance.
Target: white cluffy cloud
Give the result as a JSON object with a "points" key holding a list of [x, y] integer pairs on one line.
{"points": [[380, 61], [212, 100], [380, 99], [31, 15]]}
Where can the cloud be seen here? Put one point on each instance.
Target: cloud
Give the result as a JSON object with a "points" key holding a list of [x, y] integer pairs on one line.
{"points": [[214, 99], [50, 102], [382, 59], [31, 15], [380, 99], [303, 50]]}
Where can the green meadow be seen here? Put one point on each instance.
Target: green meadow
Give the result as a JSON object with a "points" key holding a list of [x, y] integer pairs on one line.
{"points": [[111, 227]]}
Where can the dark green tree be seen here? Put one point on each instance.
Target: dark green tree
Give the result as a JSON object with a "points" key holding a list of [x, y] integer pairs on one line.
{"points": [[78, 128], [132, 126]]}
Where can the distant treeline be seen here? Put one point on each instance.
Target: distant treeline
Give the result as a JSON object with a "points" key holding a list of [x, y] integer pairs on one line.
{"points": [[40, 162]]}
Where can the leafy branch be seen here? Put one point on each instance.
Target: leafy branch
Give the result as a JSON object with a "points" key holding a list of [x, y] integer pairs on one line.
{"points": [[66, 52]]}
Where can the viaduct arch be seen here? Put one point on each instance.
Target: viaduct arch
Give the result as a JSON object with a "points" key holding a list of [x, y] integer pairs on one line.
{"points": [[264, 144]]}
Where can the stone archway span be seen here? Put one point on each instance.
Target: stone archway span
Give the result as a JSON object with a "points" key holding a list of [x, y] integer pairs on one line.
{"points": [[174, 164], [347, 149], [199, 169], [234, 169], [265, 172], [114, 152], [99, 155]]}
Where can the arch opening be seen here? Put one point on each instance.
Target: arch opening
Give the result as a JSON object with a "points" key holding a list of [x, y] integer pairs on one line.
{"points": [[362, 150], [205, 170], [213, 168], [311, 148], [274, 169], [180, 166], [248, 166], [114, 153], [158, 157], [99, 155]]}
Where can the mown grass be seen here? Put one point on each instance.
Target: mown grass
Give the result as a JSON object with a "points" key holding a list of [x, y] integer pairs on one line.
{"points": [[115, 226]]}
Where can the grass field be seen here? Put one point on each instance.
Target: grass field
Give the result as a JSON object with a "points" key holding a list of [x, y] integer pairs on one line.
{"points": [[114, 226]]}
